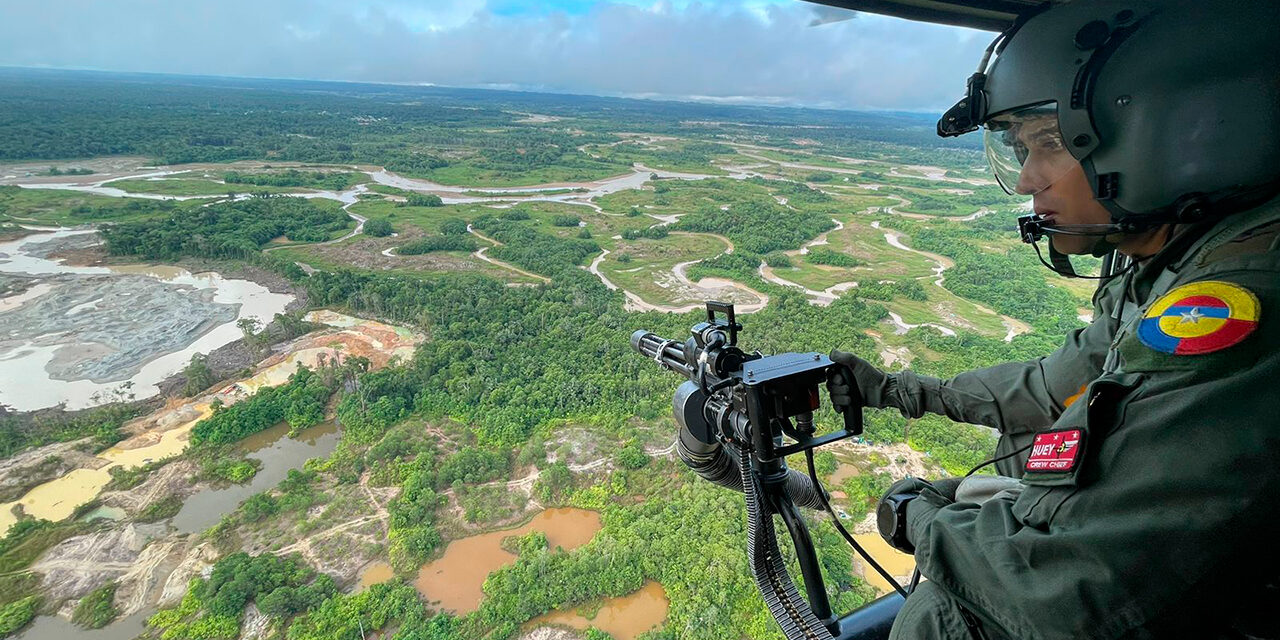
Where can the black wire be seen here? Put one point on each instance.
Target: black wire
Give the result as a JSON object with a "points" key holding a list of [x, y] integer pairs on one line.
{"points": [[915, 580], [995, 460], [822, 495], [1072, 274]]}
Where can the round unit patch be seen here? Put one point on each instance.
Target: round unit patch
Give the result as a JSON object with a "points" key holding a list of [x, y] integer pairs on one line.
{"points": [[1201, 317]]}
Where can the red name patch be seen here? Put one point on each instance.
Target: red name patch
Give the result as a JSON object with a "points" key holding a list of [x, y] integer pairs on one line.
{"points": [[1055, 451]]}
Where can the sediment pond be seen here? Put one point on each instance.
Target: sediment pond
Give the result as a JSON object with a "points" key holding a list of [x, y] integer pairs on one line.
{"points": [[897, 563], [454, 581], [58, 628], [77, 335], [624, 618], [278, 454], [376, 573]]}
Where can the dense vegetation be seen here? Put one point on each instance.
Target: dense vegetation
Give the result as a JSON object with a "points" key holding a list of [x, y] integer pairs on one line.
{"points": [[1012, 282], [331, 180], [227, 229], [50, 114], [300, 402], [96, 610], [755, 227], [378, 228], [437, 243], [213, 607], [21, 430], [15, 615], [532, 249], [831, 258]]}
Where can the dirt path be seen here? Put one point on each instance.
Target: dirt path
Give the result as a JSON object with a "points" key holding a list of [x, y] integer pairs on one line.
{"points": [[480, 254], [1013, 326], [708, 286], [378, 509], [360, 220], [903, 203], [798, 165], [711, 285], [303, 546], [820, 298]]}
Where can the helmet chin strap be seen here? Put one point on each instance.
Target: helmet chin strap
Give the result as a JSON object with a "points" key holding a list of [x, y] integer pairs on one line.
{"points": [[1059, 262]]}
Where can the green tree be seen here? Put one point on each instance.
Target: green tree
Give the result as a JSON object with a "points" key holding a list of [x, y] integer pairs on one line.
{"points": [[422, 200], [97, 609], [198, 374], [378, 227], [17, 614]]}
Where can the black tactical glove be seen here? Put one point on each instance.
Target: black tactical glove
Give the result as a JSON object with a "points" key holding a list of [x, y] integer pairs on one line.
{"points": [[892, 511], [857, 380]]}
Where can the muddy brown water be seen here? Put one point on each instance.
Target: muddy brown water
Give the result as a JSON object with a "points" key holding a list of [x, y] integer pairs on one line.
{"points": [[375, 573], [454, 581], [897, 563], [278, 454], [844, 471], [56, 628], [624, 618]]}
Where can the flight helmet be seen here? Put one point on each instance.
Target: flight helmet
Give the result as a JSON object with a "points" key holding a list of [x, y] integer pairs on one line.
{"points": [[1172, 107]]}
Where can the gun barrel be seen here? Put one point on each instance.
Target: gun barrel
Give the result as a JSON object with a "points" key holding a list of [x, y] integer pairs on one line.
{"points": [[668, 353]]}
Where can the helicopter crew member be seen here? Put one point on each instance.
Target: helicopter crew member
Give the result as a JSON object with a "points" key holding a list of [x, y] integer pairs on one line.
{"points": [[1147, 503]]}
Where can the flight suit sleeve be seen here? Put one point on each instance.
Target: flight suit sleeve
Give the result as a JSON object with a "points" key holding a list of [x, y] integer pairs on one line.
{"points": [[1018, 397], [1170, 507]]}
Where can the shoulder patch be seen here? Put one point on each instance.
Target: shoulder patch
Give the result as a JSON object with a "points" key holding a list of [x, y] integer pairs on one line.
{"points": [[1199, 318]]}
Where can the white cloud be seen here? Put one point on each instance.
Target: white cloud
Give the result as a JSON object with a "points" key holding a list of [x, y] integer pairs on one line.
{"points": [[764, 51]]}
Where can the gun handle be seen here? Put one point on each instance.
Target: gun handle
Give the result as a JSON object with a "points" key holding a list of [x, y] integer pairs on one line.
{"points": [[852, 413], [853, 419]]}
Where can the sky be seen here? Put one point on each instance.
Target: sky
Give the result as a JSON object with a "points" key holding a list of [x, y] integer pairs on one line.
{"points": [[783, 52]]}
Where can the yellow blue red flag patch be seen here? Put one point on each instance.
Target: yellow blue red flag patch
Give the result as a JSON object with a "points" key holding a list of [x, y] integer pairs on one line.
{"points": [[1201, 317]]}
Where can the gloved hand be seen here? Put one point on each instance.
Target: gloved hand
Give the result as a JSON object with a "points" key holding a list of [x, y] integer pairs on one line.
{"points": [[856, 379], [891, 512]]}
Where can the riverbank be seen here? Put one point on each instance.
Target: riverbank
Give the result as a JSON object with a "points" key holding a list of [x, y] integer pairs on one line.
{"points": [[146, 537], [81, 336]]}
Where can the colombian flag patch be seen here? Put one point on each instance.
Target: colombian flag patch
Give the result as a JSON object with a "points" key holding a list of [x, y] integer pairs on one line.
{"points": [[1201, 317]]}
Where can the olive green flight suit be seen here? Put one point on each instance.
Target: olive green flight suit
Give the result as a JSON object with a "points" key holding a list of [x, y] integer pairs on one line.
{"points": [[1170, 516]]}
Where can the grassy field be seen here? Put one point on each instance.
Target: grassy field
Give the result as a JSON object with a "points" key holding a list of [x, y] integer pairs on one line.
{"points": [[666, 197], [427, 219], [469, 175], [365, 253], [684, 156], [193, 187], [648, 271], [855, 200], [61, 207], [602, 227], [948, 309]]}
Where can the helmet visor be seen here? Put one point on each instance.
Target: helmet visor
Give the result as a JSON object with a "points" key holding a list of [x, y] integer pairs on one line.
{"points": [[1025, 149]]}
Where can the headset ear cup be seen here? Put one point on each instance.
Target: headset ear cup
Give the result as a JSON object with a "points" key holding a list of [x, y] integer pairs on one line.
{"points": [[1191, 209]]}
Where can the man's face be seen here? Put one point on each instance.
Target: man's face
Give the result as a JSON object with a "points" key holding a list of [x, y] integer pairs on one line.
{"points": [[1069, 200], [1031, 160]]}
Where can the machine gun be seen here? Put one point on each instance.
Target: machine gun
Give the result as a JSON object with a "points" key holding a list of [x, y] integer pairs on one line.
{"points": [[740, 415]]}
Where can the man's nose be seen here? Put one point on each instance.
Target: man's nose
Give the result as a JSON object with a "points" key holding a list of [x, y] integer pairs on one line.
{"points": [[1031, 180]]}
